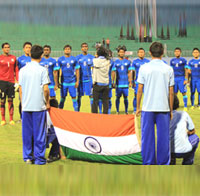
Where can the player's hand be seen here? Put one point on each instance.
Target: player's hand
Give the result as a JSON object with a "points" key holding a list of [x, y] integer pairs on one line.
{"points": [[134, 85], [185, 82], [59, 85], [171, 115], [113, 85], [47, 106], [138, 112], [130, 85], [16, 87], [76, 84], [55, 87]]}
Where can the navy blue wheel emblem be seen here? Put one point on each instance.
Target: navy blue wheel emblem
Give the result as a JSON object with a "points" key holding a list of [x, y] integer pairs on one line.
{"points": [[92, 145]]}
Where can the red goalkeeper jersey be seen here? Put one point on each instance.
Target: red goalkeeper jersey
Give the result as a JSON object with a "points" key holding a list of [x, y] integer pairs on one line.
{"points": [[8, 68]]}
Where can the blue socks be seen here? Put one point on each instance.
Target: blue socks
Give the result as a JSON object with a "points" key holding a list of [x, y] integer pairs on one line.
{"points": [[134, 103], [75, 104], [62, 102], [117, 102], [110, 106], [100, 106], [185, 101], [192, 99]]}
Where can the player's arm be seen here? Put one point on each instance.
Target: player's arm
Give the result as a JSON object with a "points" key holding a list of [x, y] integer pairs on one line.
{"points": [[113, 76], [186, 73], [130, 78], [171, 100], [191, 132], [77, 78], [46, 95], [55, 75], [139, 97], [20, 93]]}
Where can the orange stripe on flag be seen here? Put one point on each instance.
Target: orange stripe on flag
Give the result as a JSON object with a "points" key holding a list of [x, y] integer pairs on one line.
{"points": [[102, 125]]}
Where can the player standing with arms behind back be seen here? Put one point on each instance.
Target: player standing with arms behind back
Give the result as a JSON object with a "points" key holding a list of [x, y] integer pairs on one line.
{"points": [[179, 65], [194, 69], [85, 62], [8, 73]]}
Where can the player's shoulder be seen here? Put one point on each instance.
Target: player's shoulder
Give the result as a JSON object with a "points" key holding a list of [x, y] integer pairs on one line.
{"points": [[90, 56], [12, 57], [61, 58], [20, 57], [52, 59], [146, 60]]}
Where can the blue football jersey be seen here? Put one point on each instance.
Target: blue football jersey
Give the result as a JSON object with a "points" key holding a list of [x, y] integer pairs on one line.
{"points": [[85, 62], [110, 71], [137, 63], [68, 65], [194, 65], [51, 65], [23, 60], [179, 65], [122, 67]]}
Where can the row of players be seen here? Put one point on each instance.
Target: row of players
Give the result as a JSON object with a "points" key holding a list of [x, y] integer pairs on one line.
{"points": [[76, 75]]}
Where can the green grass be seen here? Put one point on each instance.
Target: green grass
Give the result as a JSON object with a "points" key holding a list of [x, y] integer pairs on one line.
{"points": [[77, 178]]}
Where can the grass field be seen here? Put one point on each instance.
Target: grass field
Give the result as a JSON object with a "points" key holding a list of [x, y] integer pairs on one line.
{"points": [[77, 178]]}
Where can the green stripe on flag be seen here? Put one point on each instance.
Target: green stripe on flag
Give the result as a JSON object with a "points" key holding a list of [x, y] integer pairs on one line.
{"points": [[134, 159]]}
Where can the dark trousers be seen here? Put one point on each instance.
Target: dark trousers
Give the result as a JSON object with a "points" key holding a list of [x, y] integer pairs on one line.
{"points": [[97, 91]]}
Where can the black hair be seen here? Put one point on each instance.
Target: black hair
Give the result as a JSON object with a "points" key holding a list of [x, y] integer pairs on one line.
{"points": [[102, 51], [141, 49], [156, 49], [54, 103], [27, 43], [121, 48], [36, 52], [47, 46], [84, 44], [177, 48], [176, 103], [195, 49], [110, 53], [67, 46], [6, 43]]}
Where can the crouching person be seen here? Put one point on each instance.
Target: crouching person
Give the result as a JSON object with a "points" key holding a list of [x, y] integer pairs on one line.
{"points": [[54, 153], [34, 95], [183, 139]]}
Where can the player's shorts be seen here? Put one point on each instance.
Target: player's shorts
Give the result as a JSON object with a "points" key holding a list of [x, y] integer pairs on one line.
{"points": [[7, 89], [51, 90], [195, 84], [122, 91], [64, 90], [85, 88], [179, 85]]}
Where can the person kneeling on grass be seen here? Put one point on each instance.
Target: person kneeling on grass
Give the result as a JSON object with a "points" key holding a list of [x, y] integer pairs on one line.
{"points": [[183, 139]]}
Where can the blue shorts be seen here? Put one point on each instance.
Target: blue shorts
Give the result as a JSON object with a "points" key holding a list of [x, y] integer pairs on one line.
{"points": [[64, 90], [195, 84], [51, 90], [122, 91], [179, 85], [85, 88]]}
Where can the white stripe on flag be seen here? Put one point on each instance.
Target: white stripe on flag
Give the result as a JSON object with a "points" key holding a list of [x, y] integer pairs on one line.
{"points": [[112, 146]]}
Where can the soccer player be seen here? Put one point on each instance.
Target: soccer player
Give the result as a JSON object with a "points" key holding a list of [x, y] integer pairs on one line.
{"points": [[179, 65], [194, 68], [122, 68], [8, 73], [51, 64], [137, 63], [85, 62], [69, 77], [157, 79], [22, 61]]}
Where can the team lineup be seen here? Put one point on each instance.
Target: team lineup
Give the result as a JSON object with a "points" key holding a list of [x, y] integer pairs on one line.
{"points": [[73, 75]]}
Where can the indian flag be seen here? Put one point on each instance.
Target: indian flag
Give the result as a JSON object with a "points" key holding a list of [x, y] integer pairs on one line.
{"points": [[97, 137]]}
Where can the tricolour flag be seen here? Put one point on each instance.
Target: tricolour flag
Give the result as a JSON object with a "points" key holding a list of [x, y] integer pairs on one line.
{"points": [[97, 137]]}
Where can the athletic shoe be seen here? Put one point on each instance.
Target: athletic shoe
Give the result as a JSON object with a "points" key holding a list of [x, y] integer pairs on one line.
{"points": [[53, 158], [12, 122], [3, 122], [192, 108], [28, 161], [185, 109]]}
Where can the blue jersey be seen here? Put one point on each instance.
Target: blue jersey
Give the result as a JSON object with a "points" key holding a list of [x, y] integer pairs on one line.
{"points": [[51, 65], [110, 71], [137, 64], [194, 65], [122, 67], [68, 65], [85, 62], [23, 60], [179, 65]]}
